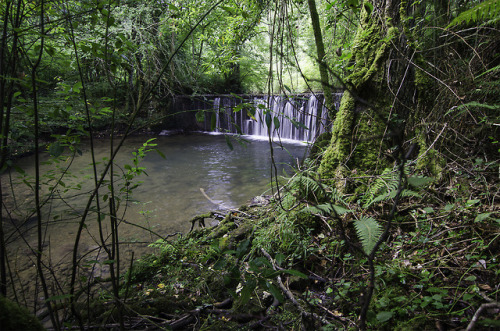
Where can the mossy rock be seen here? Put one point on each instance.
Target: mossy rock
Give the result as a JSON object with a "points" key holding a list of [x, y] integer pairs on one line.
{"points": [[13, 317]]}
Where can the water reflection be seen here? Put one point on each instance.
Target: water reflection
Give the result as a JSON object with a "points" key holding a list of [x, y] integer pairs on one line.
{"points": [[170, 195]]}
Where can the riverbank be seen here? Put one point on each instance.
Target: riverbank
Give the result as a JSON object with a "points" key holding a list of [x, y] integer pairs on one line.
{"points": [[290, 265]]}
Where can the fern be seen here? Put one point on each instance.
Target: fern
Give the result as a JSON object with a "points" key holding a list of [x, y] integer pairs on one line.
{"points": [[385, 187], [369, 232], [326, 209], [462, 108], [304, 185], [488, 10]]}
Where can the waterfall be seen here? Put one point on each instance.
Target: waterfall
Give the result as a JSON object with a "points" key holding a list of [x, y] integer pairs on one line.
{"points": [[301, 117]]}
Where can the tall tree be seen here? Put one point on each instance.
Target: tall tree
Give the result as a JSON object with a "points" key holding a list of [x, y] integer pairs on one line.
{"points": [[320, 50], [368, 121]]}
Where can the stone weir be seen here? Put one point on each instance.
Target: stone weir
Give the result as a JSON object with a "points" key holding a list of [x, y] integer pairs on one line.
{"points": [[299, 117]]}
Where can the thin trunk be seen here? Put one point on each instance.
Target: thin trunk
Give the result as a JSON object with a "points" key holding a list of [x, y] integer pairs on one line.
{"points": [[3, 146], [39, 253], [320, 50]]}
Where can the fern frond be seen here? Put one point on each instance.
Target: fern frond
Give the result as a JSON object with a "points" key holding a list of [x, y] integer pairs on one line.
{"points": [[479, 105], [488, 10], [381, 189], [305, 184], [326, 209], [369, 232], [410, 193]]}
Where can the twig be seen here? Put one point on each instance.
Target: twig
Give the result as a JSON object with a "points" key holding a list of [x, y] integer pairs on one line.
{"points": [[478, 313]]}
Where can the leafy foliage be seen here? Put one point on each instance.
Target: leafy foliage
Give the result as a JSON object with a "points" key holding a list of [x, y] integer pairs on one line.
{"points": [[385, 187], [368, 231], [487, 10]]}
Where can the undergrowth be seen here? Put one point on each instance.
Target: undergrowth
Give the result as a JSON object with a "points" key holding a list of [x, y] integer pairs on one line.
{"points": [[304, 261]]}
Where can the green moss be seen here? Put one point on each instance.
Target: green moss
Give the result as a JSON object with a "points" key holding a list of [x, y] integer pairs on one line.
{"points": [[223, 228], [339, 148], [429, 159], [358, 129], [14, 317]]}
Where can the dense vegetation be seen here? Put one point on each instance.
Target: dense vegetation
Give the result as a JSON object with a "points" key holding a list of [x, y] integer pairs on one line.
{"points": [[392, 222]]}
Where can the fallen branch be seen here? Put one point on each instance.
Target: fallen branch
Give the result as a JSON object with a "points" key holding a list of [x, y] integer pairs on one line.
{"points": [[484, 306], [201, 219]]}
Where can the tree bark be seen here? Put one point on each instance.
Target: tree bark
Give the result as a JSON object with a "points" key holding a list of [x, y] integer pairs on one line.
{"points": [[320, 51], [365, 127]]}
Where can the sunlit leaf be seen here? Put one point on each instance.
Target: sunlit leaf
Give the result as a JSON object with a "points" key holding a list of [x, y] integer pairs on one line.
{"points": [[76, 88], [384, 316], [419, 181], [482, 217]]}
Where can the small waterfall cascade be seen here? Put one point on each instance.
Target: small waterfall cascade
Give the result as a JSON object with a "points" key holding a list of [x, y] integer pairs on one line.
{"points": [[301, 117]]}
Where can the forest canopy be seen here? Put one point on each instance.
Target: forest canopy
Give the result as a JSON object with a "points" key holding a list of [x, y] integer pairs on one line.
{"points": [[391, 222]]}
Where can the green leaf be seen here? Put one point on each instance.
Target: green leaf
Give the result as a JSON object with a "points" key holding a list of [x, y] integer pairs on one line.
{"points": [[238, 129], [200, 116], [276, 123], [160, 153], [76, 88], [268, 119], [275, 291], [229, 10], [242, 248], [486, 10], [295, 273], [428, 210], [298, 124], [108, 261], [341, 210], [228, 142], [369, 231], [172, 7], [213, 122], [470, 203], [55, 149], [384, 316], [279, 258], [419, 181], [247, 290], [482, 217], [368, 7], [220, 264]]}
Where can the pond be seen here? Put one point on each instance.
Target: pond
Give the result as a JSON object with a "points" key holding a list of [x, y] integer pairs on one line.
{"points": [[199, 173]]}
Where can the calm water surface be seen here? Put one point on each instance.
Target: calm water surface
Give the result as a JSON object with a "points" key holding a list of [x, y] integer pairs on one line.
{"points": [[165, 201]]}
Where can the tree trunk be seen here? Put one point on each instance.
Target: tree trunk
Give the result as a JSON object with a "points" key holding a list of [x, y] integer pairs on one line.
{"points": [[320, 51], [371, 116]]}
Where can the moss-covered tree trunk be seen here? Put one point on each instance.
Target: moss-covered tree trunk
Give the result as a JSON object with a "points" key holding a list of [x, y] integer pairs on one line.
{"points": [[372, 111]]}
